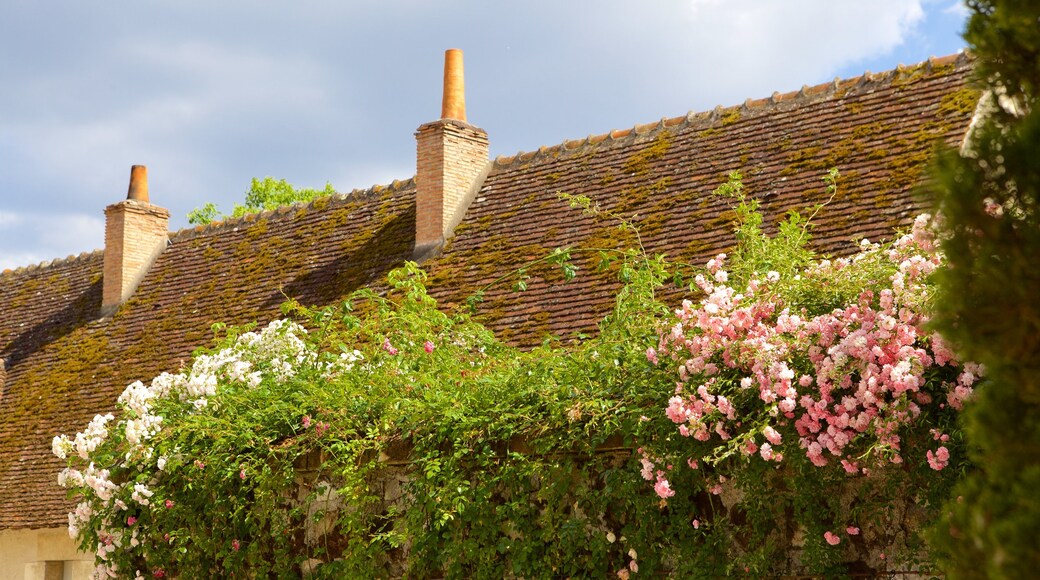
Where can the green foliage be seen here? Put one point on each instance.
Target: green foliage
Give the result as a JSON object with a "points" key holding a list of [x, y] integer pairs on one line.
{"points": [[206, 214], [990, 199], [438, 451], [1005, 37], [264, 194]]}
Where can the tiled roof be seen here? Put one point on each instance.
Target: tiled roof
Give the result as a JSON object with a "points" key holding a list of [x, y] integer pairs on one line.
{"points": [[877, 130], [64, 364]]}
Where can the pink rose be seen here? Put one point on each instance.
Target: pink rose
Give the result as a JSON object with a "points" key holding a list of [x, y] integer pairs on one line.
{"points": [[663, 488]]}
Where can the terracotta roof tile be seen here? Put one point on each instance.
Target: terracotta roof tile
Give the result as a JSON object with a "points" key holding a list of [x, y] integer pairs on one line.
{"points": [[64, 363], [877, 129]]}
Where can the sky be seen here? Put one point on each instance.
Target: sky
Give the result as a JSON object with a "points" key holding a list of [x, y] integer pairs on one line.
{"points": [[211, 94]]}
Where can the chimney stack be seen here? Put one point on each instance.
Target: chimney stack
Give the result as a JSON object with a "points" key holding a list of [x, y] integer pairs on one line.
{"points": [[451, 163], [136, 232]]}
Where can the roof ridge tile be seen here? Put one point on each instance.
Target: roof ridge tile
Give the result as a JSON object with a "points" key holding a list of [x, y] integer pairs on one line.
{"points": [[804, 93], [54, 263], [234, 222]]}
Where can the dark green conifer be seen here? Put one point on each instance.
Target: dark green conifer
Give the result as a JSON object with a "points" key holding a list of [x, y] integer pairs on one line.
{"points": [[989, 305]]}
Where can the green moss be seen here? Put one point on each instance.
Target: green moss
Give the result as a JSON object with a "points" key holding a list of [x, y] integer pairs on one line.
{"points": [[653, 223], [960, 102], [554, 176], [941, 70], [464, 227], [537, 324], [780, 145], [633, 197], [321, 203], [476, 226], [693, 251], [726, 219], [639, 162], [729, 117], [27, 290], [212, 255], [904, 80], [82, 359], [905, 170], [869, 130], [610, 237], [257, 230], [803, 158]]}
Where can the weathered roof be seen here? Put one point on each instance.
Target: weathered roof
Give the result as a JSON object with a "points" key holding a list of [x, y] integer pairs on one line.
{"points": [[64, 363], [877, 130]]}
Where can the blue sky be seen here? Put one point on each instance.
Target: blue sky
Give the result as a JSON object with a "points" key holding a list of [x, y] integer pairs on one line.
{"points": [[209, 95]]}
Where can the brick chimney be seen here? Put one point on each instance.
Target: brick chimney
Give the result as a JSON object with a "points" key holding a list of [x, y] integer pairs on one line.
{"points": [[451, 163], [135, 234]]}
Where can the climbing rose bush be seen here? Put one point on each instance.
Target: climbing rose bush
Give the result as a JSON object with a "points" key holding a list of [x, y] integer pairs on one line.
{"points": [[797, 416], [848, 381], [773, 366], [116, 468]]}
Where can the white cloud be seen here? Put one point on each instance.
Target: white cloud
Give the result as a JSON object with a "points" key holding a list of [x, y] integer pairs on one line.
{"points": [[958, 8], [662, 59], [226, 78], [214, 84], [11, 261], [361, 176], [52, 236], [803, 37], [8, 219]]}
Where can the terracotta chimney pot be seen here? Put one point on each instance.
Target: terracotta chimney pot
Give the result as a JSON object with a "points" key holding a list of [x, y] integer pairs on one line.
{"points": [[138, 183], [453, 104]]}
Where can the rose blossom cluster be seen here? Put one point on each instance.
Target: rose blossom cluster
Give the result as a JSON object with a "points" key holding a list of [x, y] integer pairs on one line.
{"points": [[112, 511], [842, 381]]}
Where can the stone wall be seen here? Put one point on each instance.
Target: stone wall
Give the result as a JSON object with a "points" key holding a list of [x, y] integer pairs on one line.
{"points": [[42, 554]]}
